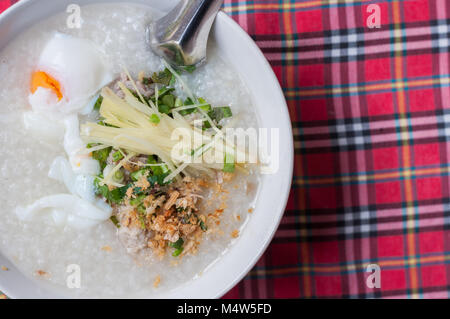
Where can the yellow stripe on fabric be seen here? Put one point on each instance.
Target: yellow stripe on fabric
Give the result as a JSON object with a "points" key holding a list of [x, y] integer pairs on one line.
{"points": [[372, 177], [319, 269], [290, 69], [304, 246], [368, 87], [398, 63], [289, 6]]}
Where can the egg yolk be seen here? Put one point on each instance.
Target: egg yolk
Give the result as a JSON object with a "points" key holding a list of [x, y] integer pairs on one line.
{"points": [[42, 79]]}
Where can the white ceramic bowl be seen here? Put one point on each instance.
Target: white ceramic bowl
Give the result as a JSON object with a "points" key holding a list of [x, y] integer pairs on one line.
{"points": [[238, 49]]}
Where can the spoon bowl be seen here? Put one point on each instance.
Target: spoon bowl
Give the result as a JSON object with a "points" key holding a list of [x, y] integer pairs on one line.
{"points": [[181, 36]]}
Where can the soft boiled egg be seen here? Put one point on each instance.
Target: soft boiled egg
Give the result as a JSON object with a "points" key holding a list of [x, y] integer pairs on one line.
{"points": [[69, 72]]}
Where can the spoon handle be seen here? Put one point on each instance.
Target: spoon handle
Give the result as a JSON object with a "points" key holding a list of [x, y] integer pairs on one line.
{"points": [[181, 35]]}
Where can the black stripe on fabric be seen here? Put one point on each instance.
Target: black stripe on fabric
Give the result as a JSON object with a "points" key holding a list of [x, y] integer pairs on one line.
{"points": [[310, 238], [398, 292], [347, 45], [367, 146], [363, 208], [357, 221], [365, 133]]}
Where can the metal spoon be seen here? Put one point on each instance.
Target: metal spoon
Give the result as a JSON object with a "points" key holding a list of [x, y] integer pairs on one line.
{"points": [[181, 36]]}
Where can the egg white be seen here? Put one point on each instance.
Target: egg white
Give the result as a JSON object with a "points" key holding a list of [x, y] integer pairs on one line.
{"points": [[79, 67]]}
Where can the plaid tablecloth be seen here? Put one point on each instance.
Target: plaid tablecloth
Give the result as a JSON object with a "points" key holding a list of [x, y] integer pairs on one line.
{"points": [[370, 110]]}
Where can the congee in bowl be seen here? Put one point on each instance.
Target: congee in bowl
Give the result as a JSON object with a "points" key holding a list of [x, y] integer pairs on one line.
{"points": [[116, 164]]}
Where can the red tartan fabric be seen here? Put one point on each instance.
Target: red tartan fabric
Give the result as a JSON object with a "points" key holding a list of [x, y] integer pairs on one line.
{"points": [[370, 110]]}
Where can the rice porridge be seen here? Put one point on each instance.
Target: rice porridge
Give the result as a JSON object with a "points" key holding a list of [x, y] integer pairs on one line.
{"points": [[114, 261]]}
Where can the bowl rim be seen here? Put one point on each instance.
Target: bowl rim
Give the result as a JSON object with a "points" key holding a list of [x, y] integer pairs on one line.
{"points": [[288, 162]]}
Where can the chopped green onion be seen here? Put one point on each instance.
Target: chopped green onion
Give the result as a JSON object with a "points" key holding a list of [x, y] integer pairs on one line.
{"points": [[101, 156], [115, 221], [178, 244], [180, 209], [164, 90], [100, 189], [137, 201], [219, 113], [103, 123], [186, 112], [187, 102], [177, 252], [117, 194], [229, 165], [226, 111], [118, 176], [138, 191], [98, 103], [154, 119], [162, 108], [135, 176], [114, 196], [164, 77], [193, 152], [189, 68], [159, 179], [168, 100], [203, 226], [157, 170], [141, 209], [206, 107], [117, 156], [206, 125], [178, 102], [141, 216], [172, 81]]}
